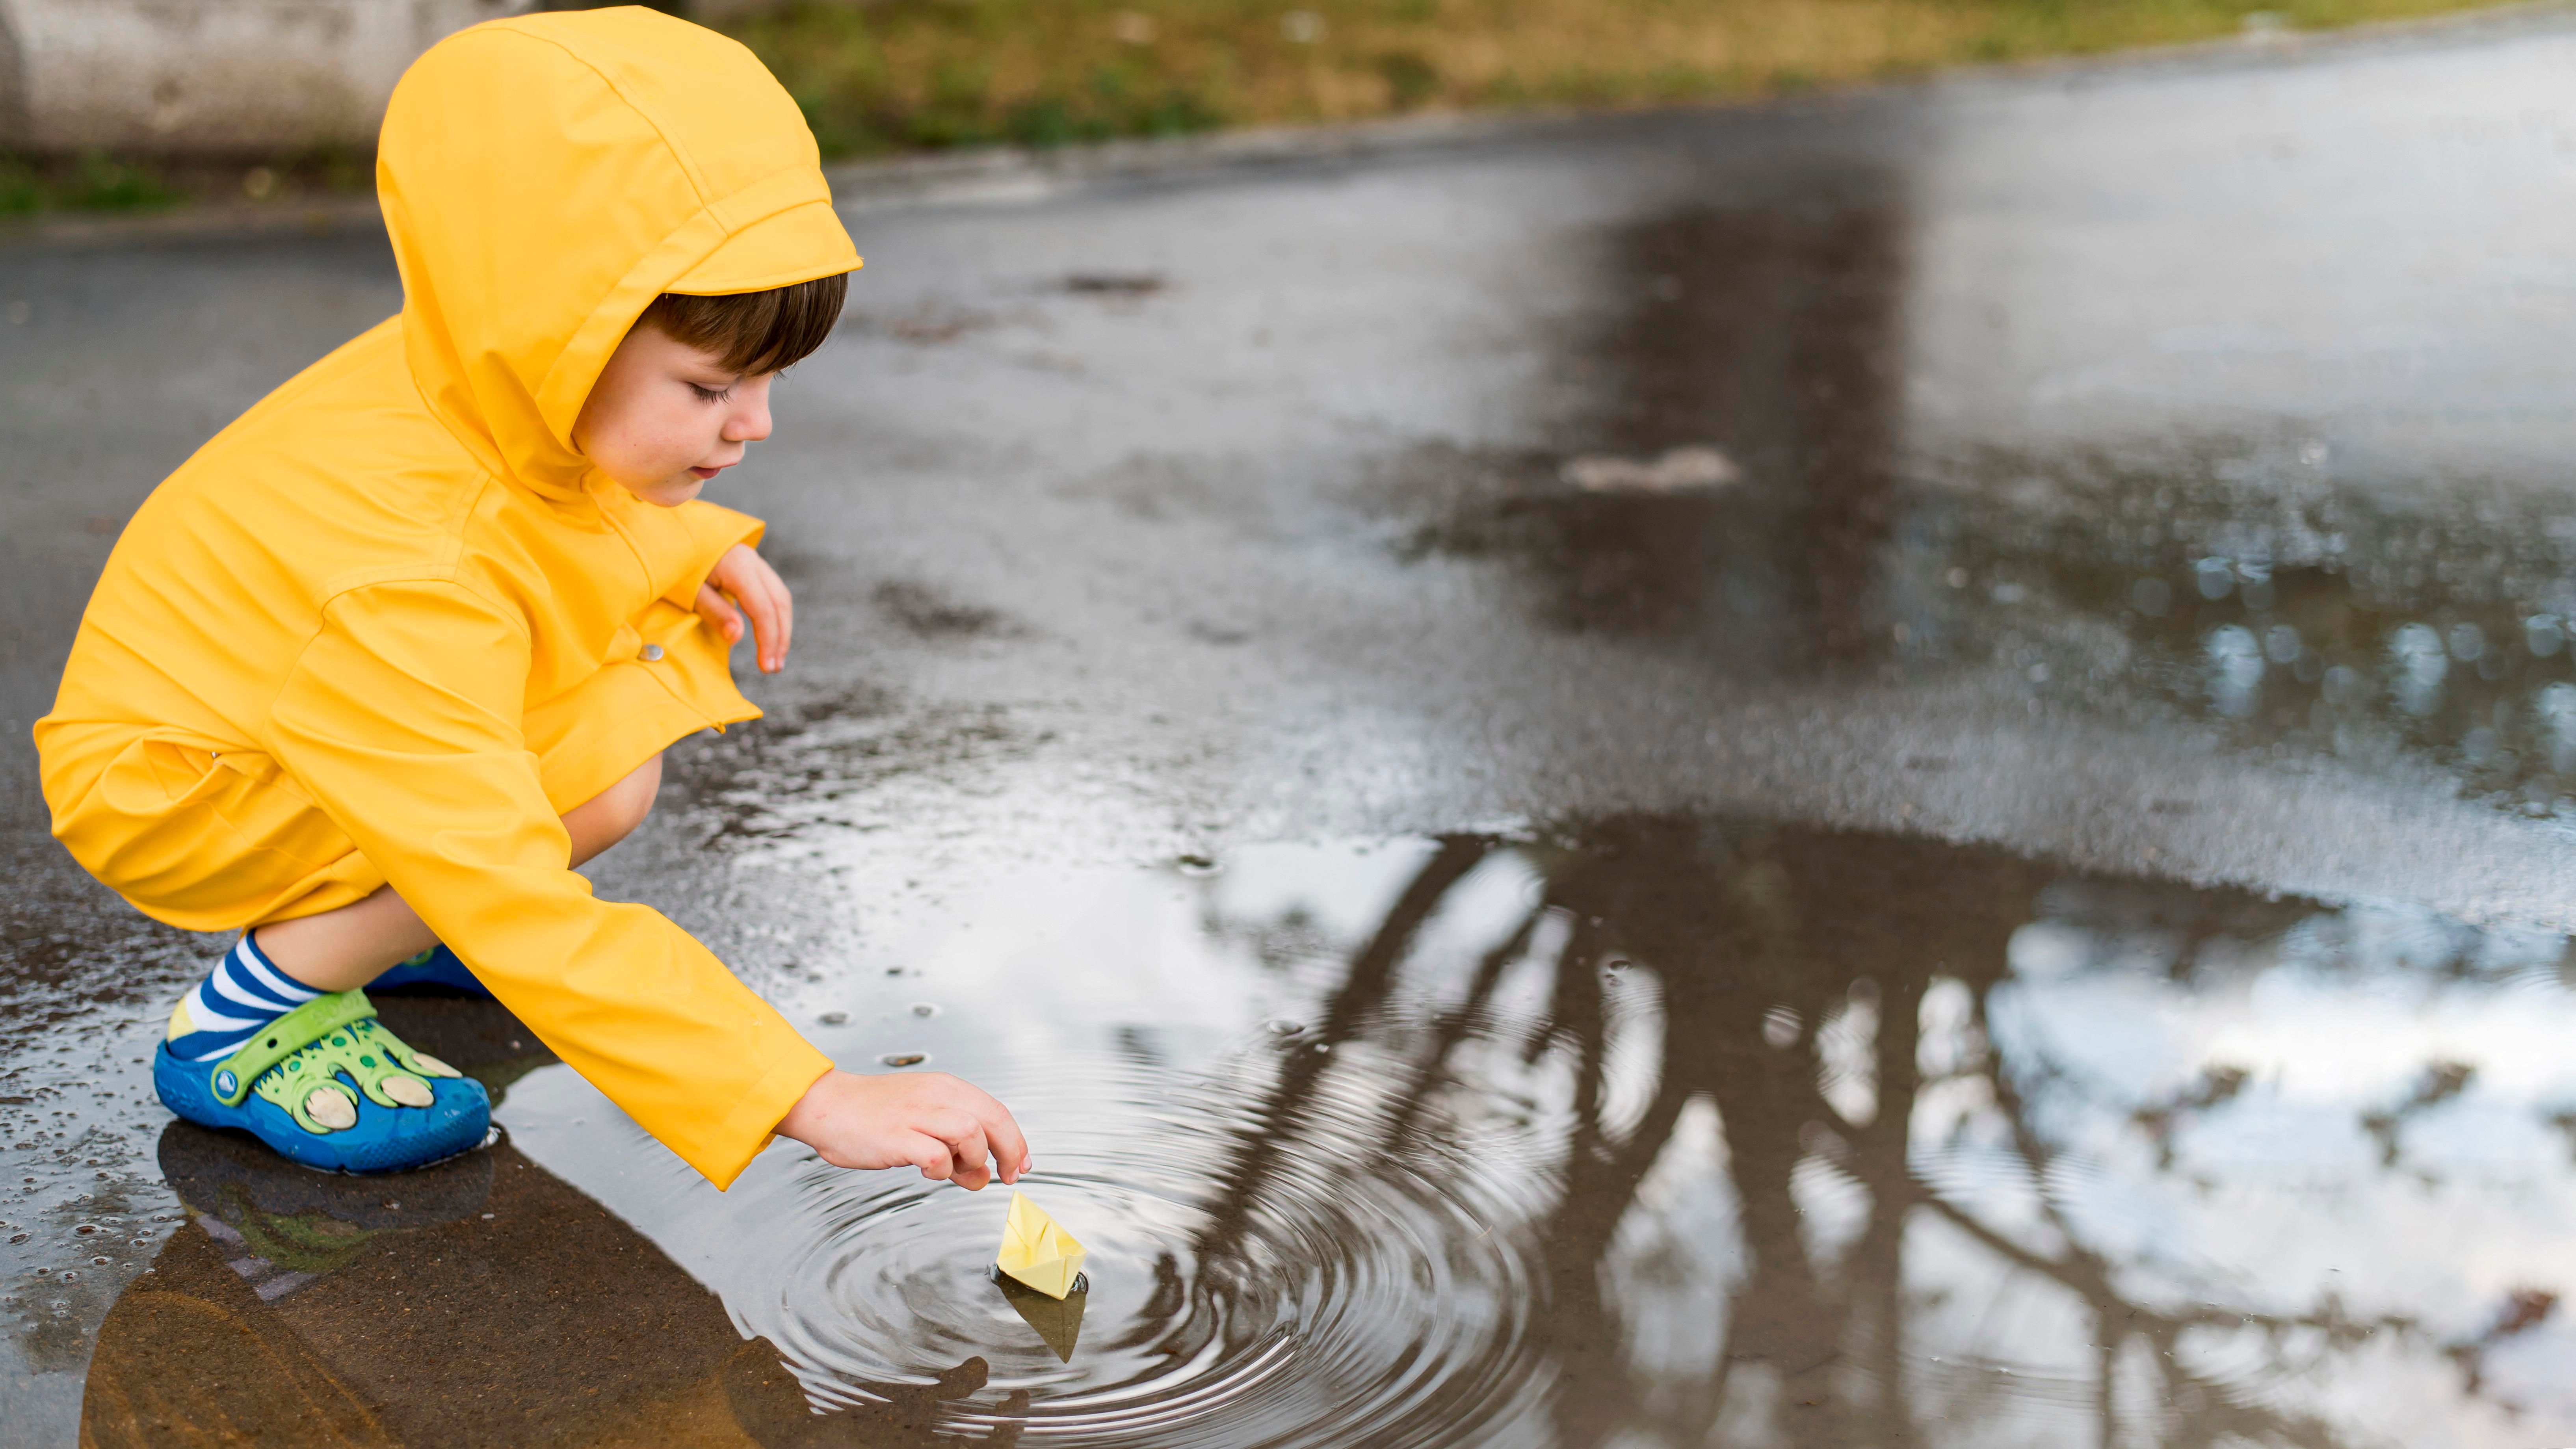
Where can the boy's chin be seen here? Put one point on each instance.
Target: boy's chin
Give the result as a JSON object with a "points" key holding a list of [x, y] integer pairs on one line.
{"points": [[671, 492]]}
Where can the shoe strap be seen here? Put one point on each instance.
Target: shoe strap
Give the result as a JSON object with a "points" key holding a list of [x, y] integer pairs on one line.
{"points": [[283, 1038]]}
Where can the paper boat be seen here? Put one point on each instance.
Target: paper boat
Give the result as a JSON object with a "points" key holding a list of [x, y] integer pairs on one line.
{"points": [[1036, 1251]]}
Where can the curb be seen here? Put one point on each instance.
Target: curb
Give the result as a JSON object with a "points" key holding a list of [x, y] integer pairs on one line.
{"points": [[1007, 175]]}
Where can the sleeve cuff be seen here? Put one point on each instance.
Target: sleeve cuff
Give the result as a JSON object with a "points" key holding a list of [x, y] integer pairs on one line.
{"points": [[713, 529], [754, 1119]]}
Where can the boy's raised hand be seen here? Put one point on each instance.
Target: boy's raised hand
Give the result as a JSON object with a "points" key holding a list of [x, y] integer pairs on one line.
{"points": [[952, 1131], [742, 582]]}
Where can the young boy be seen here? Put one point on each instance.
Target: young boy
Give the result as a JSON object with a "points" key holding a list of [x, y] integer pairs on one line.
{"points": [[400, 647]]}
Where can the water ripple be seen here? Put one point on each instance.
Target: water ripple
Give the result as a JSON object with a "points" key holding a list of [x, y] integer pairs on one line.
{"points": [[1263, 1271]]}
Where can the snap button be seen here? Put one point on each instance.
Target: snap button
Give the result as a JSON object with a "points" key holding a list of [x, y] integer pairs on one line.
{"points": [[652, 654]]}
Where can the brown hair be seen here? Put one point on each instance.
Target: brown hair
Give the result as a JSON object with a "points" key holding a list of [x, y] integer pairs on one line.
{"points": [[755, 331]]}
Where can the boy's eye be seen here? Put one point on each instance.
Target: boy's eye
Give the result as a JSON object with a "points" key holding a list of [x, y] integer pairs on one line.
{"points": [[712, 394]]}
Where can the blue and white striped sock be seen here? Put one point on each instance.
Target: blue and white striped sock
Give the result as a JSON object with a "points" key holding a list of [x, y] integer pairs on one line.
{"points": [[243, 993]]}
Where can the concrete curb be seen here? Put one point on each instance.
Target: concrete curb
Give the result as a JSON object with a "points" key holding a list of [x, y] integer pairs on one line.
{"points": [[992, 175], [1007, 175], [1003, 174]]}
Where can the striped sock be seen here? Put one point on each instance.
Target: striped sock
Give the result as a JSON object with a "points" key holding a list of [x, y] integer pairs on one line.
{"points": [[243, 993]]}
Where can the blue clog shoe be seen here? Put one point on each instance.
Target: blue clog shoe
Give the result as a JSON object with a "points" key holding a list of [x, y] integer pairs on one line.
{"points": [[328, 1086], [436, 966]]}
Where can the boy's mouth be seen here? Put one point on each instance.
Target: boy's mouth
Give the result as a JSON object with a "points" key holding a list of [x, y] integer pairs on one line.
{"points": [[703, 474]]}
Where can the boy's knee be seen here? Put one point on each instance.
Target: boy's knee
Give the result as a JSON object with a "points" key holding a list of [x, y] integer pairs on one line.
{"points": [[614, 813], [631, 799]]}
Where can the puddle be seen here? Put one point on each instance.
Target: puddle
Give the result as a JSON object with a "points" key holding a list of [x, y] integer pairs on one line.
{"points": [[1647, 1130], [2297, 607], [2302, 617]]}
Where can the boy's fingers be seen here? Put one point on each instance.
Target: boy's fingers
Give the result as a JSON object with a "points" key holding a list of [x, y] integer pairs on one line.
{"points": [[1001, 1129], [715, 606], [759, 592], [785, 605], [756, 600], [786, 610], [930, 1155], [1010, 1149], [764, 629], [965, 1137]]}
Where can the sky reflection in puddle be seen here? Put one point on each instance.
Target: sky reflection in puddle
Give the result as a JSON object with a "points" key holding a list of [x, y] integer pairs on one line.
{"points": [[1642, 1132]]}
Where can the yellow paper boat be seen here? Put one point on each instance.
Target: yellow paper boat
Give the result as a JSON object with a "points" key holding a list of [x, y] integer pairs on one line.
{"points": [[1036, 1251]]}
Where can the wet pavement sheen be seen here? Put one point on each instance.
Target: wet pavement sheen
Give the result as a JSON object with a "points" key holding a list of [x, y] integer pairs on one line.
{"points": [[1893, 772]]}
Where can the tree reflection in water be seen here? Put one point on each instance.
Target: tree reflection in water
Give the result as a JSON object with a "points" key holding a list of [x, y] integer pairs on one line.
{"points": [[1900, 1133]]}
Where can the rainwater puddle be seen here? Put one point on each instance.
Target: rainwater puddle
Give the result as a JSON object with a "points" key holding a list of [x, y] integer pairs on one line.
{"points": [[2295, 605], [1646, 1131], [2246, 590]]}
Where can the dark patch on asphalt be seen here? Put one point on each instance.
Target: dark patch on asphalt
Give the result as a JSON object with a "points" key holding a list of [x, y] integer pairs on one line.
{"points": [[801, 771], [931, 614], [1115, 284]]}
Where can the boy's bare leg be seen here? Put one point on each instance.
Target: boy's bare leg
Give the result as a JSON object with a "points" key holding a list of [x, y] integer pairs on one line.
{"points": [[349, 947]]}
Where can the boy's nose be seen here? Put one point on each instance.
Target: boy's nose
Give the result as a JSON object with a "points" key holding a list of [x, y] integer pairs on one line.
{"points": [[750, 421]]}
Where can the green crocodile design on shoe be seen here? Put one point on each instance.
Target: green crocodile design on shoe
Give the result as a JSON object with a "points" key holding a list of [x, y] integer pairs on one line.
{"points": [[300, 1060]]}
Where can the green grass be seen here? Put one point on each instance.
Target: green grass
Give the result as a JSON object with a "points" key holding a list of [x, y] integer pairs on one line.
{"points": [[880, 76], [91, 182]]}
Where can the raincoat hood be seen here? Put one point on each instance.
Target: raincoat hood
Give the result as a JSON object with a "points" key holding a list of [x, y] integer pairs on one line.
{"points": [[544, 178]]}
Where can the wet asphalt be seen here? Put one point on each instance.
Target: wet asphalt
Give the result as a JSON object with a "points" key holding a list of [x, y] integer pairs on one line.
{"points": [[1894, 770]]}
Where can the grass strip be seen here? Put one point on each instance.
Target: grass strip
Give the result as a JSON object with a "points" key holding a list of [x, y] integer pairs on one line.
{"points": [[882, 77], [885, 76]]}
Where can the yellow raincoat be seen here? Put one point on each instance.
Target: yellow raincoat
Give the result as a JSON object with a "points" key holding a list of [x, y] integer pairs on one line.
{"points": [[390, 624]]}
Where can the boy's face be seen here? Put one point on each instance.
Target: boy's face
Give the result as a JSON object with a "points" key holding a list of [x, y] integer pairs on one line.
{"points": [[665, 417]]}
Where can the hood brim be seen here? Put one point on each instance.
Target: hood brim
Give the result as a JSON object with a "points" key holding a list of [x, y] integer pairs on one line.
{"points": [[801, 244]]}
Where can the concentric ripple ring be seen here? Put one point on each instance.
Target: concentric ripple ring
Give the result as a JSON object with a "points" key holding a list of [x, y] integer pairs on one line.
{"points": [[1263, 1271]]}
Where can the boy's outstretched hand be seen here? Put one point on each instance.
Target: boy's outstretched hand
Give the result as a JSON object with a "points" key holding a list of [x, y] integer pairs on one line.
{"points": [[742, 582], [931, 1120]]}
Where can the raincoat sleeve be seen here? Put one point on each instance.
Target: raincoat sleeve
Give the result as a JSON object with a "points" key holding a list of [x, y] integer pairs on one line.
{"points": [[711, 530], [401, 720]]}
